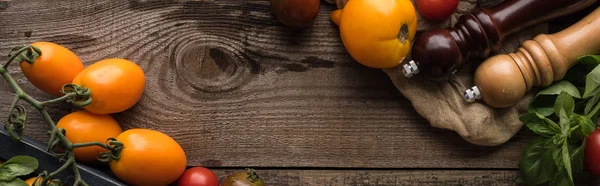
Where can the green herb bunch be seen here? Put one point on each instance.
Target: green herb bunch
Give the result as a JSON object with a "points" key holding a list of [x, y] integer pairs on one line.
{"points": [[563, 115]]}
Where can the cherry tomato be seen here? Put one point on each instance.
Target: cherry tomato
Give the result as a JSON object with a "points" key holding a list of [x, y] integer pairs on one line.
{"points": [[592, 152], [296, 13], [83, 126], [56, 67], [148, 158], [198, 176], [437, 10], [243, 178], [116, 85]]}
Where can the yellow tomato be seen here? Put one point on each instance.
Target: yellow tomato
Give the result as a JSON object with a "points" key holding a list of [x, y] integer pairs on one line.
{"points": [[116, 85], [83, 126], [148, 158], [377, 33], [56, 67]]}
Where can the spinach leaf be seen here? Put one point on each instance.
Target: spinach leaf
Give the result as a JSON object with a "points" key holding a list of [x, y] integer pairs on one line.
{"points": [[17, 166], [536, 164], [592, 80], [539, 124], [14, 182]]}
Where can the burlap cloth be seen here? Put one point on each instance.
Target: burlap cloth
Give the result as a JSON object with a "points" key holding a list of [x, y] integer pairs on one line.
{"points": [[442, 103]]}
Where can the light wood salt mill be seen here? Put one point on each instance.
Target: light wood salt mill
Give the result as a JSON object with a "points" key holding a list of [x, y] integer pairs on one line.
{"points": [[502, 80]]}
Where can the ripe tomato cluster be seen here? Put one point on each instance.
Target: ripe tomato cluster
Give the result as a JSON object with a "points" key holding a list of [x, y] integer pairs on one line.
{"points": [[148, 157]]}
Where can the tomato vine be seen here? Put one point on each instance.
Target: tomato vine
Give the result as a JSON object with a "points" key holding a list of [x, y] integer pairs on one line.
{"points": [[58, 145]]}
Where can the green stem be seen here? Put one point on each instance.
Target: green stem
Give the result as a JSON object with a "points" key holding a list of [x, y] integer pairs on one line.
{"points": [[12, 58], [70, 161], [53, 129], [78, 180], [79, 145], [60, 99], [573, 129]]}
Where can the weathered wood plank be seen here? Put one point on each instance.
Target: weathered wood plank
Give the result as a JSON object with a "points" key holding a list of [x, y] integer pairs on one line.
{"points": [[383, 177], [238, 89], [325, 177]]}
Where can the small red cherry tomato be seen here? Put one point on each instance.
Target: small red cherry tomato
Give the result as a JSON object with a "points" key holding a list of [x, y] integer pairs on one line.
{"points": [[592, 153], [437, 10], [198, 176]]}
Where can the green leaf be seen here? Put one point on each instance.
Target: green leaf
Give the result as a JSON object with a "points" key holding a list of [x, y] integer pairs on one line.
{"points": [[536, 123], [592, 80], [564, 101], [14, 182], [17, 166], [543, 102], [590, 104], [566, 157], [594, 112], [577, 157], [559, 87], [585, 123], [557, 155], [536, 164], [560, 179]]}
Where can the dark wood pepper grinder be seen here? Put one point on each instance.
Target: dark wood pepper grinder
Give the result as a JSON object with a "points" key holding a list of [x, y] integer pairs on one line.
{"points": [[440, 53], [503, 80]]}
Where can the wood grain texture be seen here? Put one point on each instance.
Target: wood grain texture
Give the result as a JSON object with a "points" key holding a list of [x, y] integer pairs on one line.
{"points": [[238, 89], [382, 177]]}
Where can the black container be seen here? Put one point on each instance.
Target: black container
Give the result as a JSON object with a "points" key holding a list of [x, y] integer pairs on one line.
{"points": [[30, 147]]}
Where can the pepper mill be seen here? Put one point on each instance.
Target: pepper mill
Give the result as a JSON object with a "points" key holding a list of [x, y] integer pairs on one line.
{"points": [[501, 81], [440, 53]]}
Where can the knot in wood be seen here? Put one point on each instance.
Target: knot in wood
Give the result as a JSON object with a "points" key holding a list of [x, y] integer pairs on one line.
{"points": [[211, 66]]}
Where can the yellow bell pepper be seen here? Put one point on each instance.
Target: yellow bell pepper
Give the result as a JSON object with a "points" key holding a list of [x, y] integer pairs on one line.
{"points": [[377, 33]]}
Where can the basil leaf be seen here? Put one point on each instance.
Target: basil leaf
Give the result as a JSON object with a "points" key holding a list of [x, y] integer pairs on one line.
{"points": [[560, 86], [585, 123], [538, 125], [536, 164], [560, 179], [17, 166], [577, 157], [566, 158], [592, 80], [590, 104], [14, 182], [593, 112], [542, 103], [564, 101], [557, 155]]}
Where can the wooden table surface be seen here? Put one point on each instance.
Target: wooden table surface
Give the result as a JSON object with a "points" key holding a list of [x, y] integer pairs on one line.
{"points": [[237, 89]]}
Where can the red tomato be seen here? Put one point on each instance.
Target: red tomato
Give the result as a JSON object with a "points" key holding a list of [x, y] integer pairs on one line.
{"points": [[437, 10], [592, 153], [198, 176]]}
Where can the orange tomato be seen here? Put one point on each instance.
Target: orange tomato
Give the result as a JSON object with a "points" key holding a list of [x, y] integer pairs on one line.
{"points": [[377, 33], [56, 67], [149, 158], [116, 85], [31, 180], [39, 182], [83, 126]]}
